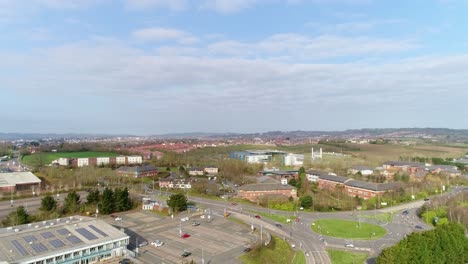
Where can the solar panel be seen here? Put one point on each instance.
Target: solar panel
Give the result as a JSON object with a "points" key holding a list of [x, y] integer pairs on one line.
{"points": [[74, 240], [30, 239], [86, 233], [38, 247], [19, 247], [47, 235], [98, 231], [63, 232], [57, 243]]}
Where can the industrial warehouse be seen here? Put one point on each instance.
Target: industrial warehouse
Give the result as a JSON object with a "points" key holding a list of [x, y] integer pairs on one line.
{"points": [[71, 240]]}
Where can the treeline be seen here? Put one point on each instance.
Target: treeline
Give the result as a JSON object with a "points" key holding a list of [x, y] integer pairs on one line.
{"points": [[107, 202], [443, 209], [437, 161], [445, 244]]}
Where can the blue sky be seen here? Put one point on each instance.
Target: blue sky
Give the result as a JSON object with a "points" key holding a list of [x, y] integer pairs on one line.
{"points": [[156, 66]]}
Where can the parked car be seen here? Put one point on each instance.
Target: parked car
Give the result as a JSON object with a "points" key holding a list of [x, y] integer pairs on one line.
{"points": [[202, 216], [349, 245], [185, 235], [118, 218], [426, 199], [184, 219], [278, 225], [195, 223], [405, 212], [247, 250], [234, 203], [142, 244], [419, 227], [125, 261], [157, 243], [185, 254], [258, 217], [297, 220]]}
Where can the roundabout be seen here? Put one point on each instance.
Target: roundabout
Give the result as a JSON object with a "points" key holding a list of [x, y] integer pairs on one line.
{"points": [[348, 229]]}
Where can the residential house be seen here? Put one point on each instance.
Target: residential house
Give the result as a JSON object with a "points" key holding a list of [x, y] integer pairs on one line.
{"points": [[211, 170], [196, 171]]}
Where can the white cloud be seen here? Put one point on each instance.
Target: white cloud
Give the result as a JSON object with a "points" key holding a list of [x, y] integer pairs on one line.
{"points": [[166, 4], [158, 34], [228, 6]]}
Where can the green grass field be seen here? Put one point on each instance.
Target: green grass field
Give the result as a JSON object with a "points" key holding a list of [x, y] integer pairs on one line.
{"points": [[277, 252], [46, 158], [348, 229], [345, 257], [299, 258]]}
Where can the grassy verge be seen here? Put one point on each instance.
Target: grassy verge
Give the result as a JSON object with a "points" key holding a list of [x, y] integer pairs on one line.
{"points": [[299, 258], [277, 252], [345, 257], [274, 217], [348, 229]]}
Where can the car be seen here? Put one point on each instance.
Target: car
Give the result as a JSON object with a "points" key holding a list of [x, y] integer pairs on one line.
{"points": [[234, 203], [418, 227], [405, 212], [125, 261], [349, 245], [426, 199], [185, 235], [195, 223], [278, 225], [297, 220], [185, 254], [157, 243], [258, 217], [247, 250], [184, 219], [202, 216], [302, 208], [142, 244], [118, 219], [307, 253]]}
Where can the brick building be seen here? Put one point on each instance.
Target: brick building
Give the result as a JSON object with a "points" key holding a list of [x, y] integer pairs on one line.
{"points": [[253, 192]]}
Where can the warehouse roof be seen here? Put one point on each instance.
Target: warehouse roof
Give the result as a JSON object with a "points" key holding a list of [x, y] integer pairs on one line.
{"points": [[14, 178], [26, 243]]}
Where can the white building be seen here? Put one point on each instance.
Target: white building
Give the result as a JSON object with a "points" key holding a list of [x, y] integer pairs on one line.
{"points": [[284, 181], [257, 158], [100, 161], [82, 162], [293, 160], [63, 161], [134, 160], [211, 170], [120, 160], [362, 169], [71, 240]]}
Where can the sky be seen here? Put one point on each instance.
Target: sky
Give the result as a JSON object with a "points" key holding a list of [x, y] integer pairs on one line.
{"points": [[150, 67]]}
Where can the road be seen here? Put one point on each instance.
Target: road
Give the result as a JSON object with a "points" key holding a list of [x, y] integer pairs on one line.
{"points": [[31, 204]]}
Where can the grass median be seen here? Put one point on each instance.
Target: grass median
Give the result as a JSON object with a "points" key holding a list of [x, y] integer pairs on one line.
{"points": [[345, 257], [348, 229]]}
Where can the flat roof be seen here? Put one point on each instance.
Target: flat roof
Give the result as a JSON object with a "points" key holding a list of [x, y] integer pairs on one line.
{"points": [[42, 239], [15, 178]]}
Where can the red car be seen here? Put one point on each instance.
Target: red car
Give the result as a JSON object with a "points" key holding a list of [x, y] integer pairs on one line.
{"points": [[298, 220], [258, 217], [185, 235]]}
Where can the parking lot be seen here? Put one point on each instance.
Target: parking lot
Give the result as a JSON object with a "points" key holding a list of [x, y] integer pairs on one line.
{"points": [[220, 240]]}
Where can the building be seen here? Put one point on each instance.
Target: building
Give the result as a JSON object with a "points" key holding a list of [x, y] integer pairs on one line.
{"points": [[361, 169], [19, 181], [211, 170], [71, 240], [99, 161], [138, 171], [403, 166], [351, 187], [448, 170], [314, 175], [195, 171], [253, 192], [174, 181], [293, 159], [257, 156]]}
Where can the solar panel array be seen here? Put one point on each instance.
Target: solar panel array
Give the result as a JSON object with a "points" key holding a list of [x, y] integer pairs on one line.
{"points": [[47, 235], [98, 230], [57, 243], [88, 235], [74, 240], [63, 231], [19, 247], [30, 238], [38, 247]]}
